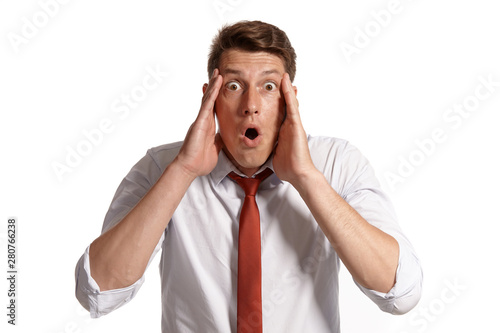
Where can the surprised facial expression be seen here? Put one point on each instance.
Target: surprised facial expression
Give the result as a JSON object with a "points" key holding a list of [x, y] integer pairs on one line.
{"points": [[250, 107]]}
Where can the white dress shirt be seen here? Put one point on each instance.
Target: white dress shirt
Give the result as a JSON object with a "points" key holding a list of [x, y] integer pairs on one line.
{"points": [[198, 264]]}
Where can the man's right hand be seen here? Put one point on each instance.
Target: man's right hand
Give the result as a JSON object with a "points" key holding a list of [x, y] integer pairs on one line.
{"points": [[119, 257], [200, 151]]}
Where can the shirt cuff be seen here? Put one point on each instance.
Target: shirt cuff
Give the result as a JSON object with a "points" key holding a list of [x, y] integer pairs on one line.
{"points": [[97, 302], [406, 292]]}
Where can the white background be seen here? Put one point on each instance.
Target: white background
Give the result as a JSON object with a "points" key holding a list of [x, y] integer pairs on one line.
{"points": [[64, 79]]}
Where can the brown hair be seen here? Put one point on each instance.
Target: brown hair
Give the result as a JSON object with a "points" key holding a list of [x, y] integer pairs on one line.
{"points": [[253, 36]]}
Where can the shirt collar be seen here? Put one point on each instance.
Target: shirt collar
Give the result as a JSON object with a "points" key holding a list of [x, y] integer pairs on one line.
{"points": [[225, 166]]}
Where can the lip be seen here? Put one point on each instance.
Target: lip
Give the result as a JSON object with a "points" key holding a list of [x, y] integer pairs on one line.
{"points": [[249, 142]]}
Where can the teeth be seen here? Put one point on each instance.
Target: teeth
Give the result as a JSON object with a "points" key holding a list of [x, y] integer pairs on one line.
{"points": [[251, 133]]}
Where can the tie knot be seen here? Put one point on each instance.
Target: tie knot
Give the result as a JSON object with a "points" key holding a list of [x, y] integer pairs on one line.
{"points": [[250, 185]]}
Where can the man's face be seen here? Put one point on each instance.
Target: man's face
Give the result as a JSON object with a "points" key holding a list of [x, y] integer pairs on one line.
{"points": [[250, 107]]}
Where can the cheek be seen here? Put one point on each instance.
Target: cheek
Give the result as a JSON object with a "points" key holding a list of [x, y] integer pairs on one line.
{"points": [[220, 110], [276, 112], [224, 119], [224, 105]]}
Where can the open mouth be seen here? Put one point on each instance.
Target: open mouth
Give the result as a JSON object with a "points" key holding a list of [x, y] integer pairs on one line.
{"points": [[251, 133]]}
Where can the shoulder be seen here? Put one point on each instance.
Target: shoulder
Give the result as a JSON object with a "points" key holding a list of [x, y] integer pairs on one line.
{"points": [[330, 143], [330, 151], [150, 167], [164, 155], [141, 177], [339, 160]]}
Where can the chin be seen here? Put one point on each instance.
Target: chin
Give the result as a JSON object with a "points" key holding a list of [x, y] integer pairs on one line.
{"points": [[248, 164], [248, 159], [251, 163]]}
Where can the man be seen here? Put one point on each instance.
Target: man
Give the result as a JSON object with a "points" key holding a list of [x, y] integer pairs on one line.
{"points": [[320, 204]]}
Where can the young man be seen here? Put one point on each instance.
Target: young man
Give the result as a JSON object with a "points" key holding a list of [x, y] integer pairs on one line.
{"points": [[320, 204]]}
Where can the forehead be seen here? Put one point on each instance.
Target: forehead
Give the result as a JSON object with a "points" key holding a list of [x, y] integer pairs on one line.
{"points": [[250, 63]]}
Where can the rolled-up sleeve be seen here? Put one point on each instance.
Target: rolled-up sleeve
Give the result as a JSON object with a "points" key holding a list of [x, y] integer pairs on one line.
{"points": [[132, 188], [363, 192], [97, 302], [406, 292]]}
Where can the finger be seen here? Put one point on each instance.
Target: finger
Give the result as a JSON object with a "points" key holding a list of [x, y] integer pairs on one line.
{"points": [[211, 94], [291, 101], [212, 83]]}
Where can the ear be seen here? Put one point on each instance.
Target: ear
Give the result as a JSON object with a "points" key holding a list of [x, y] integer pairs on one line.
{"points": [[295, 89], [205, 87]]}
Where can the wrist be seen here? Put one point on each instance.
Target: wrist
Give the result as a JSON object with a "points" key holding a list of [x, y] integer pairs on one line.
{"points": [[181, 172], [307, 181]]}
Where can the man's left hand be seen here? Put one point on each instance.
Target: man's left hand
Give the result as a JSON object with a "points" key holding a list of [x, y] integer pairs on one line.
{"points": [[292, 160]]}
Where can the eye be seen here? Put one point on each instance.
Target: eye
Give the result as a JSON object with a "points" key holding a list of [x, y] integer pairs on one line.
{"points": [[270, 86], [233, 86]]}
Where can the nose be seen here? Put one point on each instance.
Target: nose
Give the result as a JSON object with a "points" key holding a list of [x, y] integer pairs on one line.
{"points": [[251, 102]]}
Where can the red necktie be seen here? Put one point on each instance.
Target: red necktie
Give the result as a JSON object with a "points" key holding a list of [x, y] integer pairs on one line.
{"points": [[249, 317]]}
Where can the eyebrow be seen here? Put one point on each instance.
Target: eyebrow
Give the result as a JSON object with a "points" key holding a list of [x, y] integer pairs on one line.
{"points": [[238, 72]]}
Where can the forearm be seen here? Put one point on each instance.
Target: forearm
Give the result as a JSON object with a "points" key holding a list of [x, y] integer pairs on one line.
{"points": [[370, 255], [120, 256]]}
